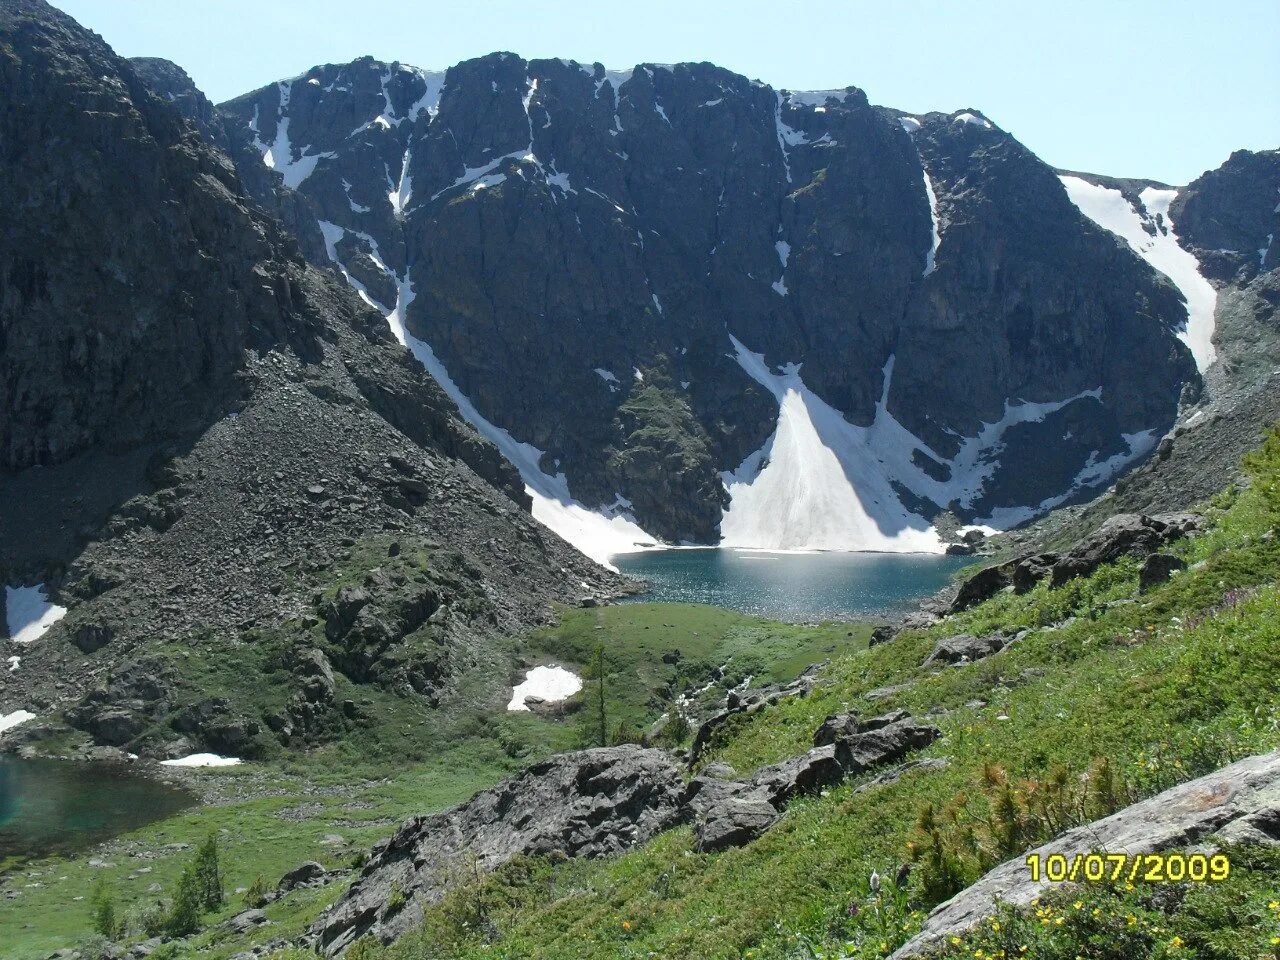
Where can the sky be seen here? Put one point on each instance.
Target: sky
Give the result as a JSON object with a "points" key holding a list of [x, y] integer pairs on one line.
{"points": [[1162, 89]]}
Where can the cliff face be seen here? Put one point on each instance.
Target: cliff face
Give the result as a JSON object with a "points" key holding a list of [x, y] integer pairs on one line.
{"points": [[578, 246], [201, 434]]}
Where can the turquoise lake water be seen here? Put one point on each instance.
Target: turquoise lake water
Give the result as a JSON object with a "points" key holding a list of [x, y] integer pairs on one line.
{"points": [[58, 806], [792, 586]]}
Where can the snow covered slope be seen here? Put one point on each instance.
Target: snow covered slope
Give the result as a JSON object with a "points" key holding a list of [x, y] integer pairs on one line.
{"points": [[1150, 232], [823, 483]]}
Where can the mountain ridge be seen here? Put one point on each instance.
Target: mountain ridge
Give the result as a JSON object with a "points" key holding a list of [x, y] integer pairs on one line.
{"points": [[654, 247]]}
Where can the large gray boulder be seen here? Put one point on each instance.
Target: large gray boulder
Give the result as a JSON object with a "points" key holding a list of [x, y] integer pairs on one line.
{"points": [[585, 804], [1241, 801]]}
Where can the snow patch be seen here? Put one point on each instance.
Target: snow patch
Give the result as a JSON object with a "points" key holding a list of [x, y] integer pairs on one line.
{"points": [[202, 760], [549, 684], [29, 614], [1160, 248], [1093, 474], [909, 124], [401, 191], [931, 258], [973, 120], [811, 486], [279, 155], [10, 720], [472, 174]]}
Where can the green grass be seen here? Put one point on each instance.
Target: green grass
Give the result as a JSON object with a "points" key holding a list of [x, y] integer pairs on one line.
{"points": [[697, 640], [403, 759], [1166, 685]]}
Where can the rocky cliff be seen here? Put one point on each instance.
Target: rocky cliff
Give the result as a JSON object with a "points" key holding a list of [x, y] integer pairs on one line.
{"points": [[593, 260], [201, 435]]}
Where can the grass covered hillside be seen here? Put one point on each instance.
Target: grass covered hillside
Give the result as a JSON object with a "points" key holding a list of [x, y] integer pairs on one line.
{"points": [[1112, 696], [402, 757]]}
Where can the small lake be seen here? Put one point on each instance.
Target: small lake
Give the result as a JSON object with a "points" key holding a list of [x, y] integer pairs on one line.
{"points": [[58, 806], [792, 586]]}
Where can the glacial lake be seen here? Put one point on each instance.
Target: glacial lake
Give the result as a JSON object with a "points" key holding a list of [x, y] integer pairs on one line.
{"points": [[792, 586], [59, 806]]}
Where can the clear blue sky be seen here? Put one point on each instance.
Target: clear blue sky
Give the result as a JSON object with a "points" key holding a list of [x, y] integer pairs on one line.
{"points": [[1155, 88]]}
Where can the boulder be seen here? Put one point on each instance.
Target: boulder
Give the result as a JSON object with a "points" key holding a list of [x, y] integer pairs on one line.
{"points": [[863, 751], [246, 921], [1158, 568], [730, 813], [315, 673], [1028, 571], [798, 776], [847, 724], [1241, 800], [882, 634], [90, 637], [341, 612], [982, 586], [302, 875], [964, 648], [736, 822], [1125, 534]]}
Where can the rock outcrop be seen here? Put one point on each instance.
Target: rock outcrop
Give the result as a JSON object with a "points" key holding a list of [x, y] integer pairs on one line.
{"points": [[733, 812], [746, 703], [1241, 801], [586, 804], [594, 803], [1125, 534], [965, 648]]}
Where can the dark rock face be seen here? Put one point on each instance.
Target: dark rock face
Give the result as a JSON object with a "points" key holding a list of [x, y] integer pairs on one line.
{"points": [[1229, 217], [1125, 534], [170, 82], [554, 230], [196, 427], [587, 804]]}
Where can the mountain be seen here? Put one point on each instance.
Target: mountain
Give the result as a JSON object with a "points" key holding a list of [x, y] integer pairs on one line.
{"points": [[204, 441], [730, 313]]}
